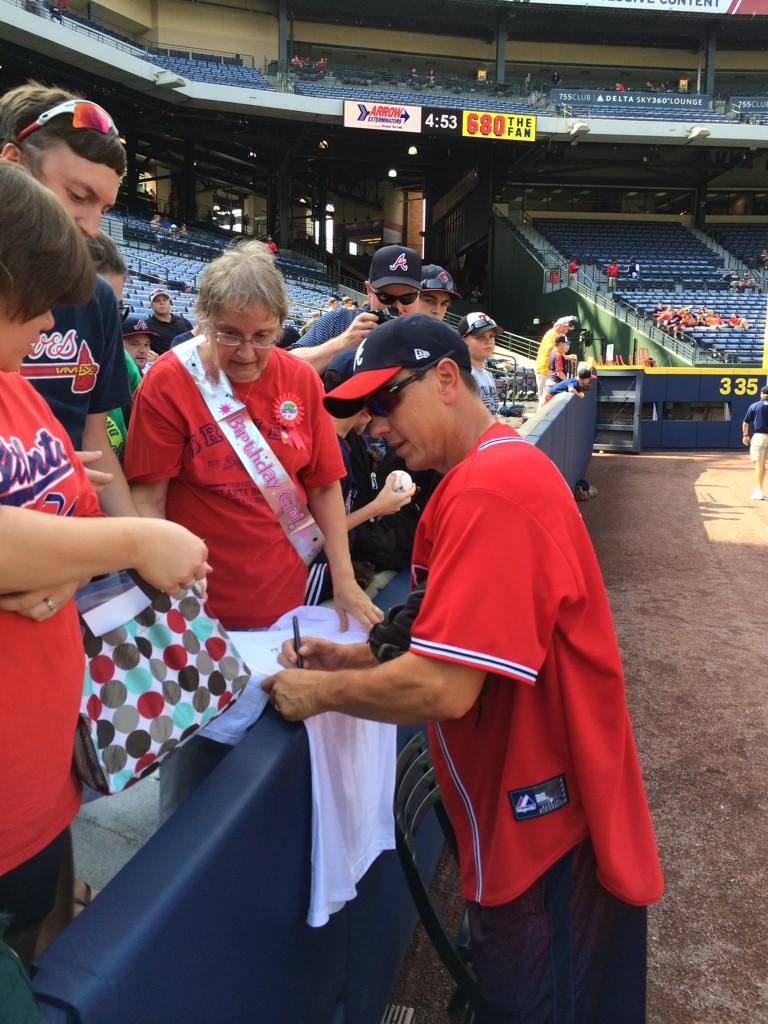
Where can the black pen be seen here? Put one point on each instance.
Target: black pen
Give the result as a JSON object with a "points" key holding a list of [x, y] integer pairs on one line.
{"points": [[297, 642]]}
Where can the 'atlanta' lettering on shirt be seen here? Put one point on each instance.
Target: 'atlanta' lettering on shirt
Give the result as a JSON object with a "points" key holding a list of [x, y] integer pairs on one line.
{"points": [[25, 474]]}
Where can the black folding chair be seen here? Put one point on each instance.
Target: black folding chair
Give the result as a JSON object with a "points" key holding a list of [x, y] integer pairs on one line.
{"points": [[416, 794]]}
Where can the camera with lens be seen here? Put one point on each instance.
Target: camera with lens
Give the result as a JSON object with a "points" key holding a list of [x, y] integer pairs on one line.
{"points": [[382, 315]]}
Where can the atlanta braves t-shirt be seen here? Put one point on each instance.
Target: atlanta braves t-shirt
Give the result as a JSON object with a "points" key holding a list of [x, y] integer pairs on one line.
{"points": [[545, 758], [257, 574], [79, 367], [43, 661]]}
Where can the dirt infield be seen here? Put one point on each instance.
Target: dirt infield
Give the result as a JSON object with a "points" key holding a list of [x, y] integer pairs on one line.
{"points": [[682, 547]]}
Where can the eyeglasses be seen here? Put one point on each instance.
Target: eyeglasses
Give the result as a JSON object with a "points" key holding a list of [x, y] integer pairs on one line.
{"points": [[228, 339], [389, 300], [383, 401], [480, 323], [84, 115]]}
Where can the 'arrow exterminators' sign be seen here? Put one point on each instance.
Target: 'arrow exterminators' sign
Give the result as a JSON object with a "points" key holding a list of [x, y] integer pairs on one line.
{"points": [[388, 117]]}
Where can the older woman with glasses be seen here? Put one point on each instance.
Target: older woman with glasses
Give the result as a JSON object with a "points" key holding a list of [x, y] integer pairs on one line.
{"points": [[229, 437]]}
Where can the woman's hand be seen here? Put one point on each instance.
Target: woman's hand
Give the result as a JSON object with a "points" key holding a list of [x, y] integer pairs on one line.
{"points": [[168, 556], [39, 605], [388, 500], [349, 599]]}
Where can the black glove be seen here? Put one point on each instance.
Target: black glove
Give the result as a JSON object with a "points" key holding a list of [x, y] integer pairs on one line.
{"points": [[392, 637]]}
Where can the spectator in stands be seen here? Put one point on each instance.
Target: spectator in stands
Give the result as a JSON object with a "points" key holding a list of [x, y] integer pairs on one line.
{"points": [[53, 537], [756, 421], [479, 332], [527, 84], [529, 731], [347, 302], [333, 302], [184, 467], [556, 78], [430, 80], [271, 245], [155, 224], [413, 77], [633, 269], [573, 269], [394, 282], [577, 385], [138, 338], [738, 321], [356, 483], [165, 325], [295, 61], [556, 366], [612, 272], [748, 282], [764, 257], [57, 9], [184, 231], [110, 265], [436, 293], [321, 65], [620, 87], [72, 147], [562, 325]]}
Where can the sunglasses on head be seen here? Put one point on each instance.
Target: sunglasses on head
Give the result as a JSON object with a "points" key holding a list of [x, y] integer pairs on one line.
{"points": [[480, 323], [85, 114], [436, 285], [389, 300], [383, 401]]}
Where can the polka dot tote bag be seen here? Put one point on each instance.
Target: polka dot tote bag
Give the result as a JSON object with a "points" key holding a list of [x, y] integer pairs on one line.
{"points": [[158, 669]]}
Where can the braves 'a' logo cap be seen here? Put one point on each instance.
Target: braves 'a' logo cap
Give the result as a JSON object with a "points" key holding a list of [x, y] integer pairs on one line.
{"points": [[395, 264]]}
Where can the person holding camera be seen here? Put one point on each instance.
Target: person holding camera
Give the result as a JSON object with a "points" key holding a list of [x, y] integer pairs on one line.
{"points": [[393, 286]]}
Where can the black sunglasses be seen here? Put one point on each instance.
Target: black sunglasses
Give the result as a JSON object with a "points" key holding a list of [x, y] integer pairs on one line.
{"points": [[383, 401], [389, 300]]}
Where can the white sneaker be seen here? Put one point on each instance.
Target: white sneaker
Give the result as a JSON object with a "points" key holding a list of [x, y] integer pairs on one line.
{"points": [[757, 495]]}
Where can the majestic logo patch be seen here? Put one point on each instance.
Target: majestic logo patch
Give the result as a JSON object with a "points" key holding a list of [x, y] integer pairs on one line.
{"points": [[400, 263], [540, 799]]}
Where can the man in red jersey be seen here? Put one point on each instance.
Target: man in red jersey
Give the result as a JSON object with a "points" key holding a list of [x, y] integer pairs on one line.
{"points": [[522, 687]]}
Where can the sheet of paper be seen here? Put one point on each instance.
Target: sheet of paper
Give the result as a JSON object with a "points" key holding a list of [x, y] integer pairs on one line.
{"points": [[259, 649]]}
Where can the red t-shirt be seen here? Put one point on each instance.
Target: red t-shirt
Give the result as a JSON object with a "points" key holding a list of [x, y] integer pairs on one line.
{"points": [[612, 270], [257, 575], [545, 758], [42, 677]]}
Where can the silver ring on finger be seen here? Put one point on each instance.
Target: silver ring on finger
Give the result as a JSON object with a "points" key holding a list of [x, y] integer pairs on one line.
{"points": [[51, 606]]}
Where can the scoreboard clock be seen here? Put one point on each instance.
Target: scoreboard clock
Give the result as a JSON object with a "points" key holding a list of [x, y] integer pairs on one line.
{"points": [[479, 124]]}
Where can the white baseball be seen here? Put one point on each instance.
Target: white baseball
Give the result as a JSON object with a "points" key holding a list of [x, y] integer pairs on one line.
{"points": [[401, 481]]}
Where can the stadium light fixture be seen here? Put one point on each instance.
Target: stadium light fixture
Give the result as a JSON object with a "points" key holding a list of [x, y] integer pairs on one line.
{"points": [[391, 173], [412, 151], [698, 131], [578, 128]]}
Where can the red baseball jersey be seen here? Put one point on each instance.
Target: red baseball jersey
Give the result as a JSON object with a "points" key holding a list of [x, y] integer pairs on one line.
{"points": [[545, 758]]}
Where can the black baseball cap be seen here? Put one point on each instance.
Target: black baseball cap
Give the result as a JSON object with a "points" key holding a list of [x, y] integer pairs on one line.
{"points": [[405, 342], [137, 325], [437, 279], [395, 264], [764, 390], [475, 323]]}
